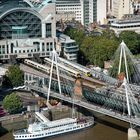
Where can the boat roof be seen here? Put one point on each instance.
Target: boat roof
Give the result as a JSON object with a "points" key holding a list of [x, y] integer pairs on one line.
{"points": [[61, 121]]}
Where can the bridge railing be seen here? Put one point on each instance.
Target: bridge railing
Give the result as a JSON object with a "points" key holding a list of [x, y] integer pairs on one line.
{"points": [[88, 105]]}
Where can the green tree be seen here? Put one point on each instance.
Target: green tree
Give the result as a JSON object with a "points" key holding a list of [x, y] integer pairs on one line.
{"points": [[132, 40], [12, 103], [15, 75], [95, 49], [76, 34], [98, 49]]}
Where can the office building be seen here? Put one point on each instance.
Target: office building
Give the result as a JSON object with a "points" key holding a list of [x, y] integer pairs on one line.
{"points": [[129, 23], [121, 8], [86, 11]]}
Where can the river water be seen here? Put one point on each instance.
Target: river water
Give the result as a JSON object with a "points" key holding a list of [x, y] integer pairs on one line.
{"points": [[105, 128]]}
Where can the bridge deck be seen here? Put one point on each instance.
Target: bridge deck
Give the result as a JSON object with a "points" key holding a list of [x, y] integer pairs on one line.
{"points": [[90, 106]]}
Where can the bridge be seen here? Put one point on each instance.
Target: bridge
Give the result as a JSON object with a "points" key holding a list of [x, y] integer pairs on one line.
{"points": [[107, 99], [88, 105]]}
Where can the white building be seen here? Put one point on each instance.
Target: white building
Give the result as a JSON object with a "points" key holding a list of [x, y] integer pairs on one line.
{"points": [[130, 23], [86, 11], [101, 11], [121, 7], [109, 4], [27, 28], [136, 5], [69, 6], [68, 47]]}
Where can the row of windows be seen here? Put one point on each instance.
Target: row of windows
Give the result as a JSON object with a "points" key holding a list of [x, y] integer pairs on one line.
{"points": [[28, 51], [69, 9], [37, 135], [66, 5], [128, 26], [37, 44]]}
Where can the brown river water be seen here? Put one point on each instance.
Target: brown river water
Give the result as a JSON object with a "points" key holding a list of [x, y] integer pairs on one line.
{"points": [[105, 128]]}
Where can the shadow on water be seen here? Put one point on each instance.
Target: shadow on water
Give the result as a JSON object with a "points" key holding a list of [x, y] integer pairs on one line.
{"points": [[111, 124]]}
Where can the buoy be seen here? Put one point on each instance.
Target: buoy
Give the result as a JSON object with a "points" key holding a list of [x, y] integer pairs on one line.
{"points": [[132, 134]]}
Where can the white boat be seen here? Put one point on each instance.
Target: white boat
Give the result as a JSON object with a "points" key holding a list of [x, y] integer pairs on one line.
{"points": [[51, 128]]}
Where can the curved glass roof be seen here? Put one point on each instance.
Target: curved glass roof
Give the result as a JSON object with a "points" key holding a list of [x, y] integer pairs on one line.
{"points": [[6, 5]]}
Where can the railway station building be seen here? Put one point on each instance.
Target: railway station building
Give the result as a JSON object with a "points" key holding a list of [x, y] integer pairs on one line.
{"points": [[27, 28]]}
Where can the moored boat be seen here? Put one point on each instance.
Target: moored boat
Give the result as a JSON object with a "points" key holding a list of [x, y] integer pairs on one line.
{"points": [[40, 130]]}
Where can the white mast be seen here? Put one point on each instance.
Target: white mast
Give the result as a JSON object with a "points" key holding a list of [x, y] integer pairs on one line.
{"points": [[127, 96], [54, 58], [123, 55], [120, 63]]}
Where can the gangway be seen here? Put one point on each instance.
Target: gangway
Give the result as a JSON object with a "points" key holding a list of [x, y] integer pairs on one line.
{"points": [[41, 117]]}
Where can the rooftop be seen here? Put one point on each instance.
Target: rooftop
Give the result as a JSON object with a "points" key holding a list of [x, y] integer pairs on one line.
{"points": [[60, 122], [10, 4], [6, 5], [65, 38]]}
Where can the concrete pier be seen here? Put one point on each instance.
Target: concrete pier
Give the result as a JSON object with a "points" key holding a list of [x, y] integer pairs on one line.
{"points": [[132, 134]]}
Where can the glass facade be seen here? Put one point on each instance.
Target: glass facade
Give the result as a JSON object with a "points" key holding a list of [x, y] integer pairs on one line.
{"points": [[86, 12], [95, 10], [20, 24]]}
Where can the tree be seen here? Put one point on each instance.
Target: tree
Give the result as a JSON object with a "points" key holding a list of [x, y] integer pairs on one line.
{"points": [[76, 34], [15, 75], [12, 103], [98, 49], [95, 49], [132, 39]]}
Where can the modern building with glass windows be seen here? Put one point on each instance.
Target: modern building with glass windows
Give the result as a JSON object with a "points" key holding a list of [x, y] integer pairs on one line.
{"points": [[27, 28], [86, 11], [68, 46], [69, 6]]}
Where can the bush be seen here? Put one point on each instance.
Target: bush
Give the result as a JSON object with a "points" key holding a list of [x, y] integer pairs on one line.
{"points": [[12, 103]]}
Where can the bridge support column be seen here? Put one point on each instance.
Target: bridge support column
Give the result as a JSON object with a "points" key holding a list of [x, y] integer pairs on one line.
{"points": [[132, 134], [78, 88]]}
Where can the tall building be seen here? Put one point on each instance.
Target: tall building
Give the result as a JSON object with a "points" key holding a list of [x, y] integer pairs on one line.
{"points": [[109, 6], [27, 28], [121, 7], [101, 11], [86, 11], [136, 6], [69, 6]]}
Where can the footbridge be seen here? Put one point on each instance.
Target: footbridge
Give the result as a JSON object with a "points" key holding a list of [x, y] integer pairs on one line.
{"points": [[88, 105]]}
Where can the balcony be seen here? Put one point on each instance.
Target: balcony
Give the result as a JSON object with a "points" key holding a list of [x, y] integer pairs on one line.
{"points": [[71, 50]]}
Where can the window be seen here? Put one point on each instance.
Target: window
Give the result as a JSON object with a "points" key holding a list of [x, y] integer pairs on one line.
{"points": [[48, 30], [43, 47]]}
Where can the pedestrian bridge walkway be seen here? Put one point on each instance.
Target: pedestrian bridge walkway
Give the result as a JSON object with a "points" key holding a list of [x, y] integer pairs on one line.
{"points": [[90, 106]]}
